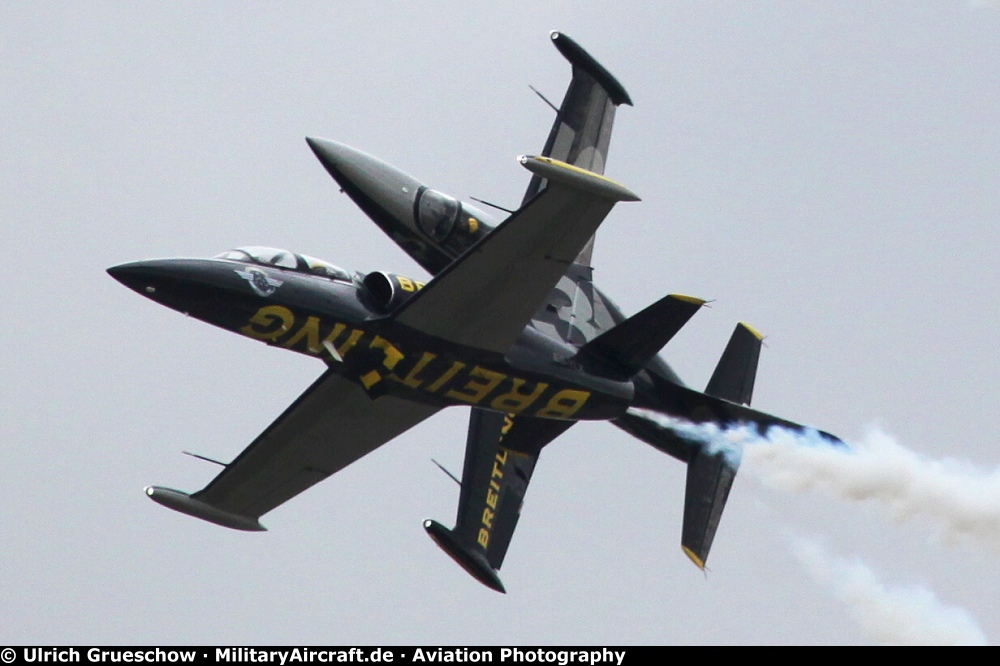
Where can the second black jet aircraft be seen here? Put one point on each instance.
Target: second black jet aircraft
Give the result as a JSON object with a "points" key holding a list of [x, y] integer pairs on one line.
{"points": [[510, 324]]}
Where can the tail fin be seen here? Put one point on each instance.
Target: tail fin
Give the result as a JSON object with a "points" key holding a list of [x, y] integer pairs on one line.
{"points": [[626, 348], [710, 475], [665, 412], [737, 369], [671, 417]]}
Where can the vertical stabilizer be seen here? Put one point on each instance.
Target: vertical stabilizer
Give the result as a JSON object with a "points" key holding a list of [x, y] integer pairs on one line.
{"points": [[737, 369], [710, 474]]}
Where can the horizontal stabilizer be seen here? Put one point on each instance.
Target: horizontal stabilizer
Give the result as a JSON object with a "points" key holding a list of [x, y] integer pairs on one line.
{"points": [[708, 432], [626, 348], [709, 479], [734, 376]]}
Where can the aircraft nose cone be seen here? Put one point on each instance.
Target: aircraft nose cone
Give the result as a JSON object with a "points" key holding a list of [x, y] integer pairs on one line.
{"points": [[341, 158], [381, 190], [191, 286], [156, 277], [132, 274]]}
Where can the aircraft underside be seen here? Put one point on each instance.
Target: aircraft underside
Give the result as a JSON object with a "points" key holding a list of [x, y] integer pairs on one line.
{"points": [[510, 324]]}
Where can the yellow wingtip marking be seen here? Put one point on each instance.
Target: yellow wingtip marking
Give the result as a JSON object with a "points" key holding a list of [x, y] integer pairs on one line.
{"points": [[757, 334], [573, 167], [689, 299], [694, 558], [371, 379]]}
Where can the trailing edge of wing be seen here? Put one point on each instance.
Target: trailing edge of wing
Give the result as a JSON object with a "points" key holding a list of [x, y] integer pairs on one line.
{"points": [[495, 477], [488, 295]]}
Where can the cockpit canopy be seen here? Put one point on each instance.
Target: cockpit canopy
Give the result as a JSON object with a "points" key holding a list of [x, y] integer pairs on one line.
{"points": [[454, 225], [300, 263]]}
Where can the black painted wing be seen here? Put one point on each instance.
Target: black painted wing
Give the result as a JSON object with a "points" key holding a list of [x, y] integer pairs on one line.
{"points": [[487, 296], [500, 455], [327, 428]]}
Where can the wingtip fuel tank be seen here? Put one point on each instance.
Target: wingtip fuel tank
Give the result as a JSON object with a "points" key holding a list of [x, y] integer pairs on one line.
{"points": [[473, 562], [184, 503]]}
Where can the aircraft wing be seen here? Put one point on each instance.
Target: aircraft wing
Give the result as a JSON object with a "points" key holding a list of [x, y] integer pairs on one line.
{"points": [[327, 428], [581, 132], [500, 455], [575, 310], [485, 298]]}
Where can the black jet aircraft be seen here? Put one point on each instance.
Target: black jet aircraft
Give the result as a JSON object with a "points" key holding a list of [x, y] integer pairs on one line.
{"points": [[510, 323]]}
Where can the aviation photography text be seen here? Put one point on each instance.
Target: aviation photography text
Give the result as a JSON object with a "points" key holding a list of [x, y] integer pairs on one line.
{"points": [[310, 655]]}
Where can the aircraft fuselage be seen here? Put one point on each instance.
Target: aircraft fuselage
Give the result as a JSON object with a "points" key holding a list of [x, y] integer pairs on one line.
{"points": [[339, 323], [511, 324]]}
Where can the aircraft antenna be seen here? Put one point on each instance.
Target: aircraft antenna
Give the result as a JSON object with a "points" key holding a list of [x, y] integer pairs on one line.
{"points": [[493, 205], [445, 470], [544, 99], [211, 460]]}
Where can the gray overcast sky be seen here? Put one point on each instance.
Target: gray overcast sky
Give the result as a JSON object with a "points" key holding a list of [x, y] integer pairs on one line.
{"points": [[827, 172]]}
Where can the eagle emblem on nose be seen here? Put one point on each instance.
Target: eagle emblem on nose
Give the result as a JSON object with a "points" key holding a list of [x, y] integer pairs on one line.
{"points": [[260, 281]]}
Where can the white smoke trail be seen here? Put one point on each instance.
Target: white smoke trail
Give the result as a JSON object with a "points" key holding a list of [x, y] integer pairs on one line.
{"points": [[961, 500], [889, 615]]}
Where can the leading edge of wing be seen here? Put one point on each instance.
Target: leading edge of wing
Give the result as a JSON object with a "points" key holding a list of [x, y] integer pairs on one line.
{"points": [[488, 295], [332, 424]]}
